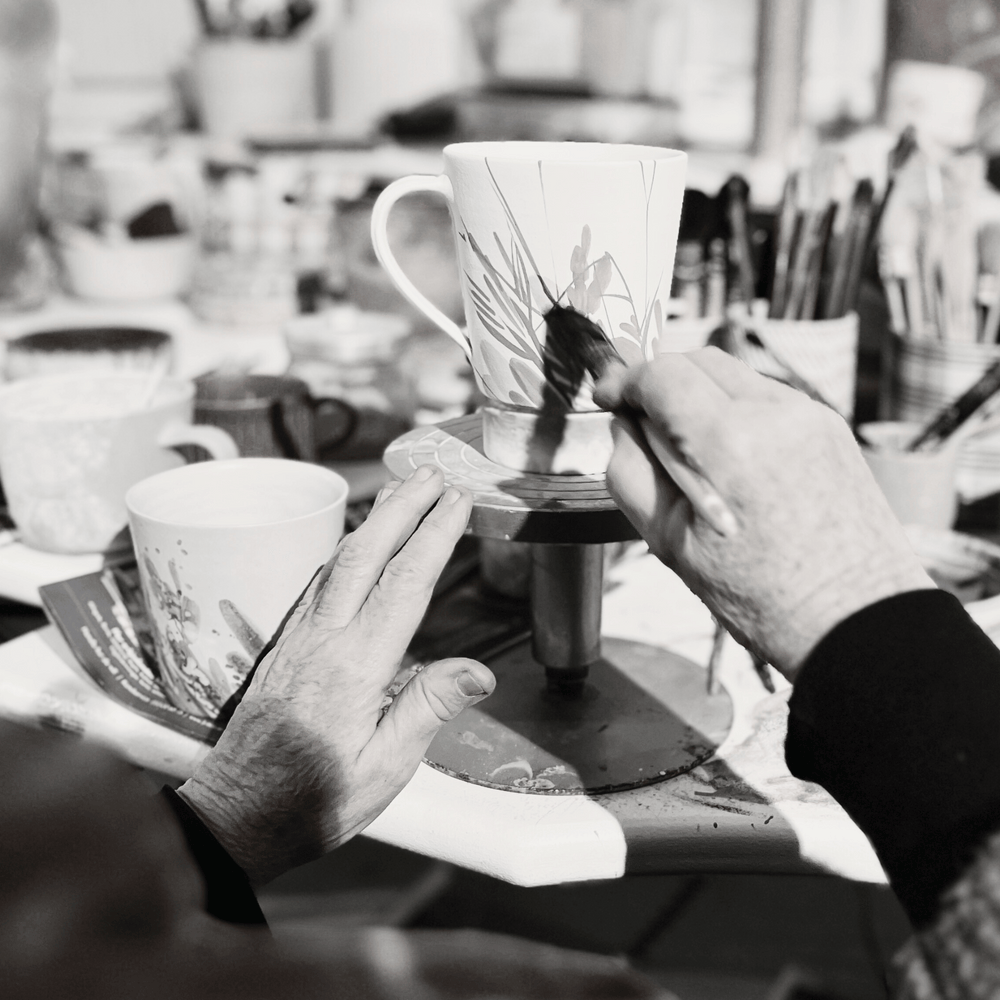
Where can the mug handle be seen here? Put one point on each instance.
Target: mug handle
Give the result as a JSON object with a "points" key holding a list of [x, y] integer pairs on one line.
{"points": [[435, 184], [213, 439], [350, 418]]}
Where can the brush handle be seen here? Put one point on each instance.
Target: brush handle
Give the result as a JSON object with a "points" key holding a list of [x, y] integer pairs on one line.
{"points": [[701, 494], [950, 419]]}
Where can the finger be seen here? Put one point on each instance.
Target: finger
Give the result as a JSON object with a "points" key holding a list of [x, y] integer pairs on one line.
{"points": [[433, 697], [364, 554], [684, 405], [398, 602], [295, 615], [609, 388], [386, 492], [637, 481]]}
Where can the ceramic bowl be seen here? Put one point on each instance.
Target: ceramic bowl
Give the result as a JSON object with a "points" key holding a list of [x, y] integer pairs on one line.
{"points": [[104, 348], [125, 270]]}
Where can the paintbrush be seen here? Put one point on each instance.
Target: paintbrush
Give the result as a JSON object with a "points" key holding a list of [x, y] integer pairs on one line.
{"points": [[814, 271], [737, 198], [810, 234], [576, 341], [951, 418], [787, 222], [847, 268], [905, 147]]}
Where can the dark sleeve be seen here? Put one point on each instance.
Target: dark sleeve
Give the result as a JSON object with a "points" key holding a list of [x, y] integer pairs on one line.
{"points": [[228, 894], [897, 714]]}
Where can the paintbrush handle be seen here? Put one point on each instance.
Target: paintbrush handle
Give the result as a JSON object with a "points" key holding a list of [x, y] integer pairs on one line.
{"points": [[952, 417], [700, 493]]}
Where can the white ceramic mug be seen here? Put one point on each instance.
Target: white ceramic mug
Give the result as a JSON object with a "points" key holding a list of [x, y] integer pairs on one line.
{"points": [[919, 485], [72, 445], [591, 225], [224, 550]]}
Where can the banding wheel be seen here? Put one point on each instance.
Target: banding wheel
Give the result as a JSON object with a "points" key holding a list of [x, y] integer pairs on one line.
{"points": [[571, 714]]}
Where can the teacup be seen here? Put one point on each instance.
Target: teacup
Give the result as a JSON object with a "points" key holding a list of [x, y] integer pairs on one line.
{"points": [[589, 225], [224, 551], [72, 445], [272, 416], [919, 485], [87, 349]]}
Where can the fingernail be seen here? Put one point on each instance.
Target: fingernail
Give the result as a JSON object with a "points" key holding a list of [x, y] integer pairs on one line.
{"points": [[451, 495], [469, 686], [423, 473]]}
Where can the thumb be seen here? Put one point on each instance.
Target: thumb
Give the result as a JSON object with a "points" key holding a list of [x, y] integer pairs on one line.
{"points": [[609, 390], [433, 697]]}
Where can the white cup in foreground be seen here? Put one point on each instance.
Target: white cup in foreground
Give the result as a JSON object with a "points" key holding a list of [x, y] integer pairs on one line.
{"points": [[224, 550], [72, 445], [920, 486]]}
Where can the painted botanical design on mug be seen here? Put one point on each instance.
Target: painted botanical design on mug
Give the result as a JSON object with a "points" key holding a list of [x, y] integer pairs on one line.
{"points": [[201, 688], [510, 298]]}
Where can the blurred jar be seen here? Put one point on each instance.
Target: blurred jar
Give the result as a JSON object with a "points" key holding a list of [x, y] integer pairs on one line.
{"points": [[27, 46], [616, 45], [537, 40], [244, 87], [394, 54]]}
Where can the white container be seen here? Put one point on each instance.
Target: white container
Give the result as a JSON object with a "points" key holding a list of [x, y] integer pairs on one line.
{"points": [[919, 485], [822, 352], [929, 375], [72, 445], [616, 45], [538, 40], [125, 270], [244, 87], [393, 54], [225, 549]]}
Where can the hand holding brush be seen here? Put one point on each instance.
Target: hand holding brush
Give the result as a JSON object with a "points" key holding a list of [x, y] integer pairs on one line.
{"points": [[817, 540], [577, 341]]}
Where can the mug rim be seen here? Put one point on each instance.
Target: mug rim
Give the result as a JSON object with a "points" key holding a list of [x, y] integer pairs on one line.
{"points": [[887, 429], [530, 151], [86, 339], [185, 393], [209, 468]]}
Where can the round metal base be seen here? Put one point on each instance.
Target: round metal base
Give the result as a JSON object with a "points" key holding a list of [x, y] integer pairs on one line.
{"points": [[642, 716]]}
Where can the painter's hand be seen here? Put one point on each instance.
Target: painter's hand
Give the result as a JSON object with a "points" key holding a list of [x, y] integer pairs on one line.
{"points": [[817, 541], [305, 763]]}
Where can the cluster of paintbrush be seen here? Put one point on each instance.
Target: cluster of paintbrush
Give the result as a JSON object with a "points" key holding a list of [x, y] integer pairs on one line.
{"points": [[808, 267], [929, 258], [261, 19], [823, 240]]}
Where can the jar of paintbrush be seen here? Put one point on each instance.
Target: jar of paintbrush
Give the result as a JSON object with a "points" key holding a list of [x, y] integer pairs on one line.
{"points": [[805, 332]]}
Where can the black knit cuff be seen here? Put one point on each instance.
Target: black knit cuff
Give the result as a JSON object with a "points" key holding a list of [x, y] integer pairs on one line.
{"points": [[897, 714], [228, 895]]}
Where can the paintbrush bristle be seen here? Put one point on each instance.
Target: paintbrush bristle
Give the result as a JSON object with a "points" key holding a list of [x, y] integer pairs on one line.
{"points": [[905, 147], [578, 343]]}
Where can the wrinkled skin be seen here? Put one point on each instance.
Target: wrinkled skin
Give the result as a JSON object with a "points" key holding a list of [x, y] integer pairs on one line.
{"points": [[817, 540], [307, 760]]}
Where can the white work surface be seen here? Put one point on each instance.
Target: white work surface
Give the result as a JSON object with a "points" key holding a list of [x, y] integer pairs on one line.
{"points": [[741, 811]]}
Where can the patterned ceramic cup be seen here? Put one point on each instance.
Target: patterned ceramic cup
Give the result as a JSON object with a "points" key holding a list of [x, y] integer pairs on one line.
{"points": [[590, 225], [72, 445], [224, 550]]}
